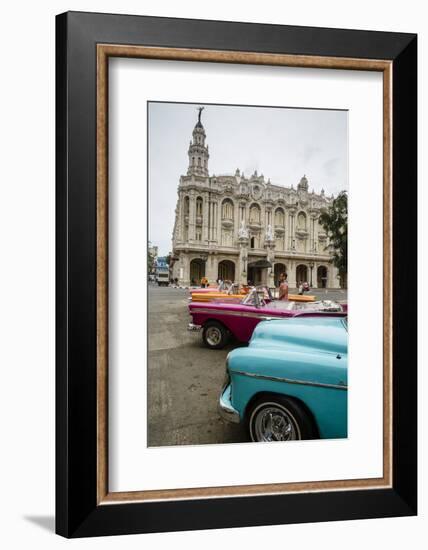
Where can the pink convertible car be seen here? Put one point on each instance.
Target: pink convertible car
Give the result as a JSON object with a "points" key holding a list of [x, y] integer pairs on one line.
{"points": [[219, 321]]}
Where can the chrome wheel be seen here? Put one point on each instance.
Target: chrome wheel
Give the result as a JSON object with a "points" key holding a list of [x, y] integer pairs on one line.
{"points": [[273, 422], [213, 336]]}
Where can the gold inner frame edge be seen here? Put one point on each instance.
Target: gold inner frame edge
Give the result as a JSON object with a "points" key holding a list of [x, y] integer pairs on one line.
{"points": [[104, 51]]}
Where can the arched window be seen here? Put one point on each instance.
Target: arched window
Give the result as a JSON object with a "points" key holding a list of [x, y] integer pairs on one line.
{"points": [[322, 275], [301, 274], [301, 220], [279, 217], [252, 242], [227, 210], [197, 271], [199, 161], [186, 206], [226, 270], [255, 213], [199, 203], [277, 270]]}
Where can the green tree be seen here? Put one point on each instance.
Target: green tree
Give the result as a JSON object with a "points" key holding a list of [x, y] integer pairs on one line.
{"points": [[334, 221]]}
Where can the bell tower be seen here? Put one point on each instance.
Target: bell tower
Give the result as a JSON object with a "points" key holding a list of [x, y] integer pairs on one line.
{"points": [[198, 151]]}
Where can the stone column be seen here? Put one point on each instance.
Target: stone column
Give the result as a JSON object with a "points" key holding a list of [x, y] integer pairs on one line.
{"points": [[218, 219], [267, 218], [205, 219], [334, 279], [291, 232], [185, 264], [236, 222], [213, 221], [183, 218], [315, 275], [210, 220], [291, 274], [192, 217], [179, 218], [211, 268]]}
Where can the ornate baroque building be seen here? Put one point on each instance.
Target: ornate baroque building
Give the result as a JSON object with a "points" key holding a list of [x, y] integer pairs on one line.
{"points": [[247, 229]]}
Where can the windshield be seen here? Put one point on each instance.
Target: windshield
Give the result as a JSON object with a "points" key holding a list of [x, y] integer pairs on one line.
{"points": [[233, 289], [249, 299], [322, 305], [253, 298], [223, 286]]}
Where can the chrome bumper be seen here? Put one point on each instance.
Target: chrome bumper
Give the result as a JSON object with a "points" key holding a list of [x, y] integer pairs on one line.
{"points": [[194, 328], [225, 409]]}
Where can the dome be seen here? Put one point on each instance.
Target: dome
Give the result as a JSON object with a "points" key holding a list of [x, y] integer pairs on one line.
{"points": [[303, 183]]}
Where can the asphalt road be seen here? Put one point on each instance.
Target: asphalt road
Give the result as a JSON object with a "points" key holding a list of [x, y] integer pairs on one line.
{"points": [[185, 378]]}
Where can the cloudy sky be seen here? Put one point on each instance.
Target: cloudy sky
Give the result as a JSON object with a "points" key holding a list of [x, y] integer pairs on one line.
{"points": [[283, 144]]}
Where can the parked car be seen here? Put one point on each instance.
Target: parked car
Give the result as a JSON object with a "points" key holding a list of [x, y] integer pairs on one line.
{"points": [[223, 286], [291, 381], [219, 321], [224, 293], [228, 291]]}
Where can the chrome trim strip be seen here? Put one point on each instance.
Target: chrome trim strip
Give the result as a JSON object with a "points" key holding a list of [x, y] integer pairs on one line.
{"points": [[234, 313], [266, 316], [291, 381]]}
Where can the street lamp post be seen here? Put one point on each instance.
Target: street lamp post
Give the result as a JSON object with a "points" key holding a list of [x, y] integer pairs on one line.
{"points": [[311, 265]]}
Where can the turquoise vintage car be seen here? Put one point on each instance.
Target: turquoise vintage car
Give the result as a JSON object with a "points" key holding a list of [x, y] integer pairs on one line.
{"points": [[291, 381]]}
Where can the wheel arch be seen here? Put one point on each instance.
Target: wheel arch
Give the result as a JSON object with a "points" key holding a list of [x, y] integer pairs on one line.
{"points": [[271, 395], [214, 320]]}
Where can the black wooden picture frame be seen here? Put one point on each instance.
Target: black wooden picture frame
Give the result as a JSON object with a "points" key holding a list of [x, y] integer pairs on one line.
{"points": [[79, 511]]}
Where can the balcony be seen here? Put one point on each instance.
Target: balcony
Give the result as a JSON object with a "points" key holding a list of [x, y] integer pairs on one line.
{"points": [[302, 233], [254, 225], [227, 222]]}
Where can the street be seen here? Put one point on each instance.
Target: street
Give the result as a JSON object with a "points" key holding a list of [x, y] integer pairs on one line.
{"points": [[184, 377]]}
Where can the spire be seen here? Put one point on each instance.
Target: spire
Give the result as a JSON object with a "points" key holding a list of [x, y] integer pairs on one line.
{"points": [[198, 151]]}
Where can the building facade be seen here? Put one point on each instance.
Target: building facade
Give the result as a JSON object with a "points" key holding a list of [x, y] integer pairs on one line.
{"points": [[153, 251], [246, 229]]}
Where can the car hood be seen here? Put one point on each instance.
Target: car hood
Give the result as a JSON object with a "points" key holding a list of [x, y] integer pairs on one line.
{"points": [[309, 334], [308, 350]]}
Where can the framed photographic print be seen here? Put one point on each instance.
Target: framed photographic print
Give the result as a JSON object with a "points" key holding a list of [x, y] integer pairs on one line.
{"points": [[236, 274]]}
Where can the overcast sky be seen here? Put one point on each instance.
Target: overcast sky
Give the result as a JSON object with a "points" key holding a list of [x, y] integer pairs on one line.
{"points": [[283, 144]]}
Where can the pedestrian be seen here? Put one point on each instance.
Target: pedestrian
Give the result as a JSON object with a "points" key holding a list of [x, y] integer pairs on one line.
{"points": [[300, 288], [283, 287]]}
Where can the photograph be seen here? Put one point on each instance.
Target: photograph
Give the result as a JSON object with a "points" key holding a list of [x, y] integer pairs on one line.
{"points": [[247, 265]]}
